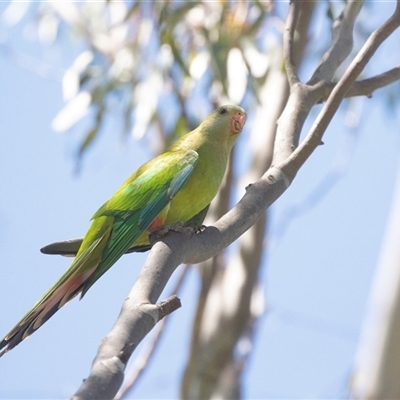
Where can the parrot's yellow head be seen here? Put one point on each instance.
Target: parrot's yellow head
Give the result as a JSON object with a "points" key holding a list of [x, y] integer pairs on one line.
{"points": [[225, 123], [220, 130]]}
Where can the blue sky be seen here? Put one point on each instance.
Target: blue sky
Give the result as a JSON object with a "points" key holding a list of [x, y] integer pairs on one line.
{"points": [[316, 278]]}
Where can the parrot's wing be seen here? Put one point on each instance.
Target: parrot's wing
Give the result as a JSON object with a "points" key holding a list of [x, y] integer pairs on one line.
{"points": [[132, 214], [152, 186], [69, 248]]}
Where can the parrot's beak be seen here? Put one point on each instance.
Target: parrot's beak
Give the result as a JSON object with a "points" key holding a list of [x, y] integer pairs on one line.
{"points": [[238, 121]]}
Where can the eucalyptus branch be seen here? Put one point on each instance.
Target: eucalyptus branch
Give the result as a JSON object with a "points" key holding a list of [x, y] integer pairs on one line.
{"points": [[366, 87], [304, 96], [107, 373], [342, 42], [143, 360], [288, 42]]}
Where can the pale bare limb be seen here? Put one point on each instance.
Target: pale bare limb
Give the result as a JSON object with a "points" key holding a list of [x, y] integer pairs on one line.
{"points": [[107, 374], [366, 87], [304, 96], [288, 42], [142, 361], [342, 43]]}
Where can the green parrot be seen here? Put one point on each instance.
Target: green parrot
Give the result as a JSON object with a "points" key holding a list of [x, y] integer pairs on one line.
{"points": [[175, 187]]}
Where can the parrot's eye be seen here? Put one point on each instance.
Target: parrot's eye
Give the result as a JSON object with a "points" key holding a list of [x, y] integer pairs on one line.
{"points": [[222, 111]]}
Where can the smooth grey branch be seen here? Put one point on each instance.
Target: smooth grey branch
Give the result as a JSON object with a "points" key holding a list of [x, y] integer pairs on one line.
{"points": [[342, 43], [143, 360], [138, 316], [288, 40], [366, 87]]}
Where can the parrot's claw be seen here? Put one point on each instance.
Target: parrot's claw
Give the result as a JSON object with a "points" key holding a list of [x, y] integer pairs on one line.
{"points": [[180, 226], [199, 229]]}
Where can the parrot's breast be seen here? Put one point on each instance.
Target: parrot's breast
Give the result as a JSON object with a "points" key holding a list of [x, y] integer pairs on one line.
{"points": [[201, 187]]}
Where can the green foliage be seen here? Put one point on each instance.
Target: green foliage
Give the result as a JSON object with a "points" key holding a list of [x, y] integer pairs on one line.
{"points": [[140, 58]]}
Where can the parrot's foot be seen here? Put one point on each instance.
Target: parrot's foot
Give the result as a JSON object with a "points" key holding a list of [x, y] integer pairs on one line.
{"points": [[181, 227], [199, 228]]}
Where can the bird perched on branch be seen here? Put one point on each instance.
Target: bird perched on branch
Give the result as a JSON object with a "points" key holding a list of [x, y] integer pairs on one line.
{"points": [[175, 187]]}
